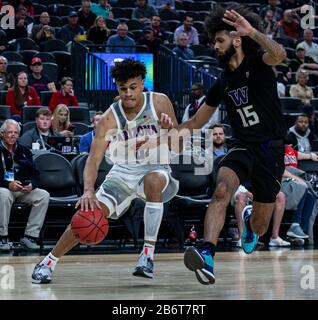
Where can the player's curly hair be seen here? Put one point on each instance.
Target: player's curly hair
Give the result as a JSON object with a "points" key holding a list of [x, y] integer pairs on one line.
{"points": [[128, 69], [214, 24]]}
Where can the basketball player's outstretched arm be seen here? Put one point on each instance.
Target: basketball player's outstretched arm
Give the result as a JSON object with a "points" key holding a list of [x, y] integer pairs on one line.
{"points": [[275, 53], [99, 145]]}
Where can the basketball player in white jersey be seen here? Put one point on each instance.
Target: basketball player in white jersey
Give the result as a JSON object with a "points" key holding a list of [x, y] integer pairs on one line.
{"points": [[134, 174]]}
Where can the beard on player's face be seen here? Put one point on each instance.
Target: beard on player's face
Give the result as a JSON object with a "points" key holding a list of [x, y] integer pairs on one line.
{"points": [[225, 57]]}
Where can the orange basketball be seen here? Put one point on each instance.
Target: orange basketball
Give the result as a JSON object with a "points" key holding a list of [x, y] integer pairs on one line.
{"points": [[89, 227]]}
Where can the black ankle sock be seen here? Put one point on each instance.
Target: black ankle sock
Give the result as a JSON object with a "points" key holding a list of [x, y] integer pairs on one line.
{"points": [[210, 246]]}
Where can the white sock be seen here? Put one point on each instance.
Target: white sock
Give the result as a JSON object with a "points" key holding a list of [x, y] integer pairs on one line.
{"points": [[50, 260], [148, 250]]}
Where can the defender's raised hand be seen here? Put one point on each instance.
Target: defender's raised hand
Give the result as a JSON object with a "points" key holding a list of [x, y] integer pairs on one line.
{"points": [[242, 26]]}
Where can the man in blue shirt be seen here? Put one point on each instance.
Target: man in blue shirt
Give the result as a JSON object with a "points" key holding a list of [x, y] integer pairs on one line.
{"points": [[120, 42], [86, 139]]}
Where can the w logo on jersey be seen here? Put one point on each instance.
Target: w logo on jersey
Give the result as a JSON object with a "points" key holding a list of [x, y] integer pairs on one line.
{"points": [[239, 96]]}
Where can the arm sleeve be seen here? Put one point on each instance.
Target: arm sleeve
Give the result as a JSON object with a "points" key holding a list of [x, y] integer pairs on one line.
{"points": [[74, 101], [35, 97], [53, 102], [214, 95]]}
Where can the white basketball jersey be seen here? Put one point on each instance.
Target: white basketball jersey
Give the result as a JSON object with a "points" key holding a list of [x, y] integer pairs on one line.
{"points": [[122, 142]]}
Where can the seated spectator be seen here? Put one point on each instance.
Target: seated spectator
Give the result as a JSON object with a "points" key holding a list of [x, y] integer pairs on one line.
{"points": [[70, 31], [27, 4], [17, 184], [218, 136], [86, 139], [21, 95], [301, 193], [6, 80], [158, 31], [311, 47], [61, 121], [65, 95], [242, 197], [300, 135], [98, 32], [273, 5], [120, 42], [36, 138], [197, 96], [300, 59], [181, 50], [3, 41], [301, 90], [86, 17], [143, 12], [270, 25], [188, 29], [43, 32], [103, 8], [20, 26], [289, 26], [150, 40], [39, 81]]}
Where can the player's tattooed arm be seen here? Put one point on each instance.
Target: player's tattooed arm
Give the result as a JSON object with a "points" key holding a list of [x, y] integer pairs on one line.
{"points": [[275, 53]]}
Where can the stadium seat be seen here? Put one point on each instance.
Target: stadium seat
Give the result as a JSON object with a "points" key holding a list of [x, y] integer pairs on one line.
{"points": [[28, 113], [79, 114], [46, 57], [54, 45], [16, 67], [5, 112], [81, 128], [12, 56], [28, 55], [51, 70], [24, 44], [45, 97], [291, 105], [28, 126], [63, 60], [3, 94]]}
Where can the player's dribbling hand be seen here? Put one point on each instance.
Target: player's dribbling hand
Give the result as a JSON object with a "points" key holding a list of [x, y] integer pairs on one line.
{"points": [[234, 19], [165, 121], [88, 201]]}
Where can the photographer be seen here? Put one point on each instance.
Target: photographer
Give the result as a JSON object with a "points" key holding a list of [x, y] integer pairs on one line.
{"points": [[17, 184]]}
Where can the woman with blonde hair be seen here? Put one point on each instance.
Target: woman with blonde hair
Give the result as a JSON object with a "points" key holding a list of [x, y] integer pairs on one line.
{"points": [[61, 121], [98, 33], [301, 90]]}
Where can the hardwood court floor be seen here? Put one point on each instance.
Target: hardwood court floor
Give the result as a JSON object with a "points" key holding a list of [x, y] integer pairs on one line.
{"points": [[262, 275]]}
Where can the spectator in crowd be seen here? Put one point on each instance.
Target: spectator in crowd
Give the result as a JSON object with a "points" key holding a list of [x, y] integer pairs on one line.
{"points": [[301, 59], [218, 139], [181, 50], [39, 134], [240, 200], [270, 25], [17, 183], [20, 27], [65, 95], [301, 90], [281, 88], [98, 32], [43, 32], [120, 42], [197, 96], [158, 31], [6, 80], [27, 4], [3, 41], [61, 121], [39, 81], [163, 3], [103, 8], [273, 6], [86, 139], [21, 95], [300, 135], [311, 48], [188, 29], [143, 12], [150, 40], [289, 26], [300, 197], [70, 31], [291, 4], [86, 17]]}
